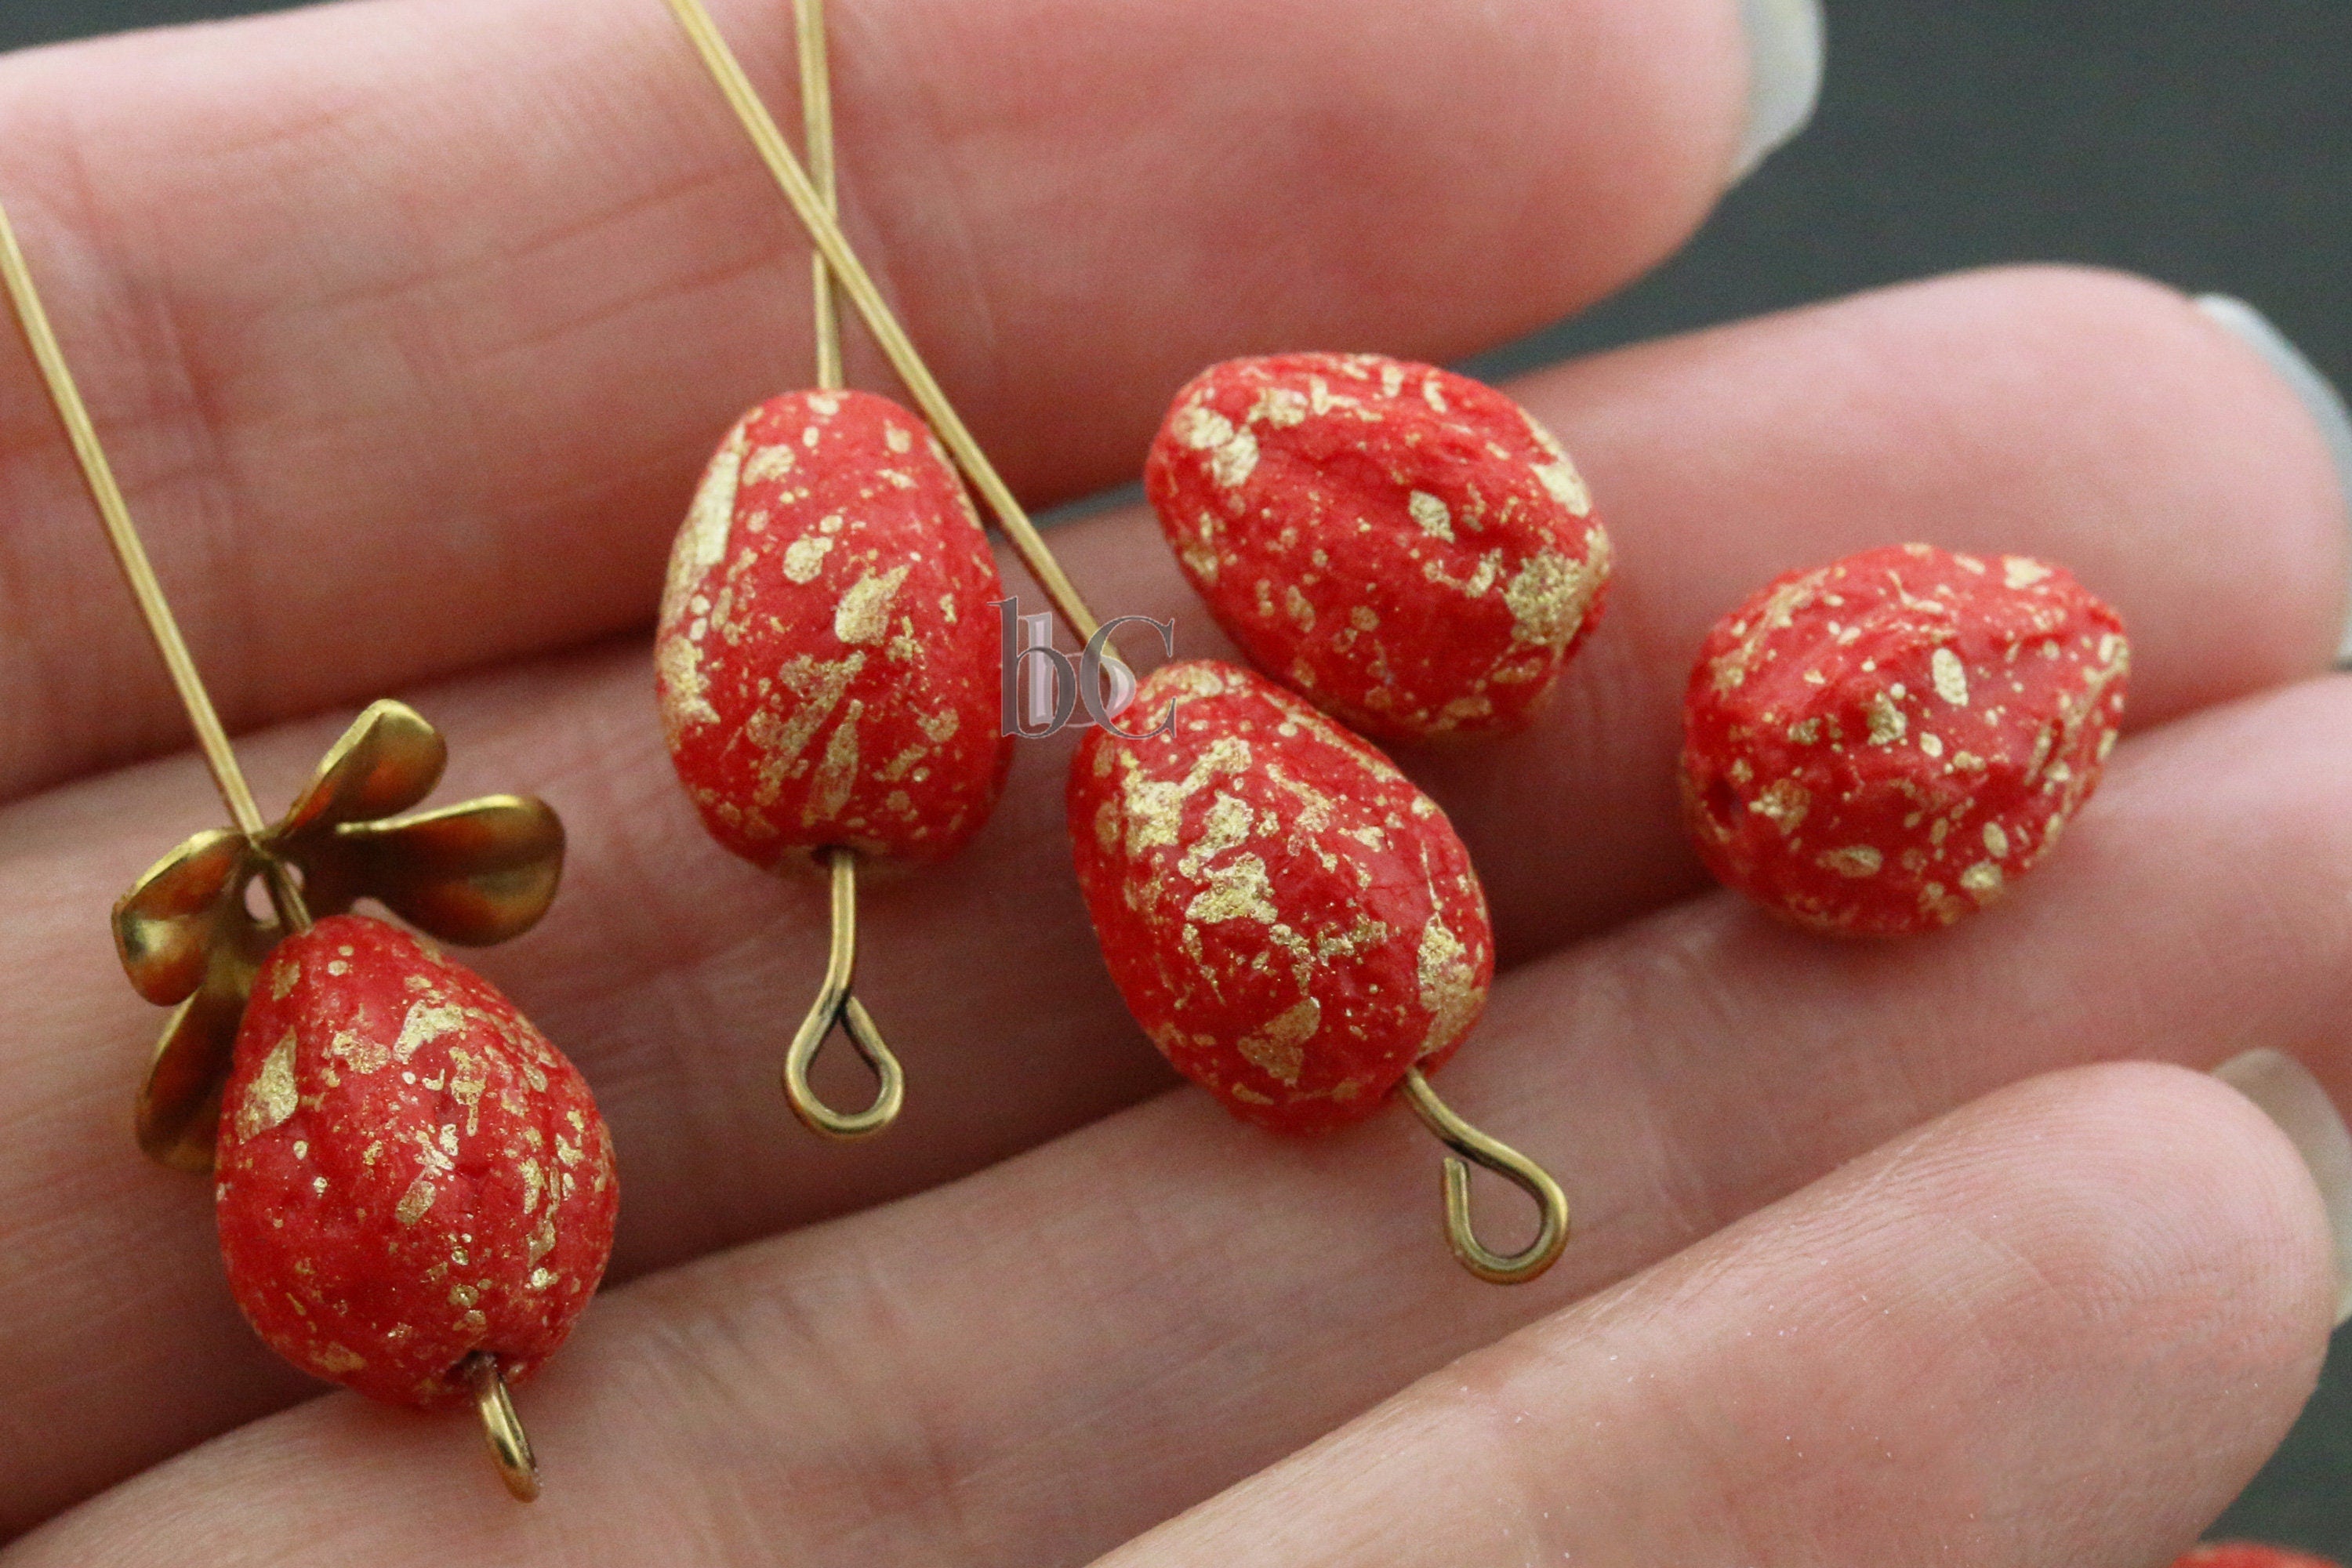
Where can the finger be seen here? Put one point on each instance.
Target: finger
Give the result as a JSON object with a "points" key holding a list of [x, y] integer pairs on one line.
{"points": [[410, 325], [2064, 1325], [675, 975], [1168, 1295]]}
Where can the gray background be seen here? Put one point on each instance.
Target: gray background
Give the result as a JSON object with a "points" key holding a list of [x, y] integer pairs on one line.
{"points": [[2209, 144]]}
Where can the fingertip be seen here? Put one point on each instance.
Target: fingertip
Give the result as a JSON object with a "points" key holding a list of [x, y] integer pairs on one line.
{"points": [[2285, 1091], [2182, 1193], [2319, 397], [1788, 47]]}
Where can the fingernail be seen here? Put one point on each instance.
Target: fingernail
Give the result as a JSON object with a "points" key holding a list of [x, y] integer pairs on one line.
{"points": [[1786, 46], [2285, 1091], [2318, 393]]}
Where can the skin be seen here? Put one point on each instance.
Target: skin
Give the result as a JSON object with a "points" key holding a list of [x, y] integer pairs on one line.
{"points": [[1883, 1256]]}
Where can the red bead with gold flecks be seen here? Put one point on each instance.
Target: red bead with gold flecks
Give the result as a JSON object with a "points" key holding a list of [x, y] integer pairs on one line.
{"points": [[1406, 548], [828, 663], [1291, 921], [1881, 745], [408, 1171]]}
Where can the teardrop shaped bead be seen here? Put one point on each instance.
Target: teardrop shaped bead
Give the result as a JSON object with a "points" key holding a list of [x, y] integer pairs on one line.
{"points": [[1404, 547], [1884, 746], [827, 661], [1289, 917], [408, 1171]]}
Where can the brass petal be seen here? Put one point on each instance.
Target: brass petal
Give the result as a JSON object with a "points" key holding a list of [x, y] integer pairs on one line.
{"points": [[178, 1117], [179, 912], [474, 874], [178, 1113], [386, 761]]}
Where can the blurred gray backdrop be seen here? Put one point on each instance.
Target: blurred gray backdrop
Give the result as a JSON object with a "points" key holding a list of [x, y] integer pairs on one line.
{"points": [[2206, 145]]}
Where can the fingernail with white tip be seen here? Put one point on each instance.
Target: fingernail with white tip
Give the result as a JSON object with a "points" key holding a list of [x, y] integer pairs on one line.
{"points": [[2318, 393], [1787, 43], [2285, 1091]]}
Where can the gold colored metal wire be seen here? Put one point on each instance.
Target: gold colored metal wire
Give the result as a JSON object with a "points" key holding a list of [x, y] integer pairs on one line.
{"points": [[502, 1429], [837, 1004], [1551, 1203], [509, 1445], [816, 116], [131, 554], [858, 284]]}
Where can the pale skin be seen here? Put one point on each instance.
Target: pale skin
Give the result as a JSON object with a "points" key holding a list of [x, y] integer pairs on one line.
{"points": [[409, 324]]}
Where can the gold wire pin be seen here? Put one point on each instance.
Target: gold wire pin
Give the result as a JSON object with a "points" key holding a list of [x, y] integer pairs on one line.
{"points": [[1551, 1203], [521, 829], [817, 117], [836, 1004], [131, 554]]}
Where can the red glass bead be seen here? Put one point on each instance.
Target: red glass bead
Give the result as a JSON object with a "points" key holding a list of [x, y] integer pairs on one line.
{"points": [[1881, 745], [1292, 921], [828, 663], [408, 1171], [1406, 548], [2245, 1554]]}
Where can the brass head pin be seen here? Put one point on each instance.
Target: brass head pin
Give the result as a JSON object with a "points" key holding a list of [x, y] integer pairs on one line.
{"points": [[836, 1005], [478, 872]]}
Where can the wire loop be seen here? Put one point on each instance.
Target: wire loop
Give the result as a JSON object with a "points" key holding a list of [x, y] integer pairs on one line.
{"points": [[501, 1427], [836, 1004], [1551, 1203]]}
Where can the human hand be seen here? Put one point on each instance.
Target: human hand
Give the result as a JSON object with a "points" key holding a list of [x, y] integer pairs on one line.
{"points": [[409, 324]]}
